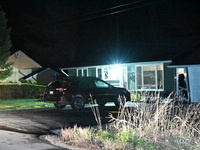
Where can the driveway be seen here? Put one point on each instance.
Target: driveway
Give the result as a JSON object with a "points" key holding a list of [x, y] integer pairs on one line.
{"points": [[21, 129], [19, 141], [40, 121]]}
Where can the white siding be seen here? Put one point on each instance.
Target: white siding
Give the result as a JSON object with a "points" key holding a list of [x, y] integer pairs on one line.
{"points": [[17, 75], [194, 83]]}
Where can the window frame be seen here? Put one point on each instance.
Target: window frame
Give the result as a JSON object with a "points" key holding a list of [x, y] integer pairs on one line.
{"points": [[156, 77], [102, 69], [99, 73], [82, 72]]}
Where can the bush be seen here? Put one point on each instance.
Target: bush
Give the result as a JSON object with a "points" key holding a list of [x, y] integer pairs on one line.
{"points": [[17, 91]]}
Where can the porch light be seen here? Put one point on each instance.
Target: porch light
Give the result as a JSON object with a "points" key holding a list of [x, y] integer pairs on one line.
{"points": [[115, 72], [117, 68]]}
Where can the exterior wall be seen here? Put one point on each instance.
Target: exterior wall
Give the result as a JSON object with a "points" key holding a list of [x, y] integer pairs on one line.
{"points": [[72, 72], [46, 77], [169, 80], [92, 72], [125, 75], [17, 74], [194, 83]]}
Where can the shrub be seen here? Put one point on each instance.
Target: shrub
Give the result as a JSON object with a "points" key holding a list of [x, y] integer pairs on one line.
{"points": [[17, 91]]}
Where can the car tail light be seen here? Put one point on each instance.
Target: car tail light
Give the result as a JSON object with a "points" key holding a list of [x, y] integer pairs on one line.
{"points": [[61, 89]]}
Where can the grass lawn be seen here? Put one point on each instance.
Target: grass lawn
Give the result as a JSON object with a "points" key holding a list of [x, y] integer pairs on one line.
{"points": [[19, 104]]}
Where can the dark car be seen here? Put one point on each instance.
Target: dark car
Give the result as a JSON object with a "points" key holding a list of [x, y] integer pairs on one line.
{"points": [[78, 91]]}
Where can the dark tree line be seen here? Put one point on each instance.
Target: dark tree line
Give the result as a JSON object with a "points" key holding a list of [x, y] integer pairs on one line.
{"points": [[5, 45]]}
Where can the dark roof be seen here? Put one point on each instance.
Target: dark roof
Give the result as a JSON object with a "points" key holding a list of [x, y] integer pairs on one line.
{"points": [[37, 72], [188, 57]]}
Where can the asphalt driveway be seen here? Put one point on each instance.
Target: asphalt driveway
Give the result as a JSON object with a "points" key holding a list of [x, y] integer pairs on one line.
{"points": [[22, 128], [19, 128], [40, 121]]}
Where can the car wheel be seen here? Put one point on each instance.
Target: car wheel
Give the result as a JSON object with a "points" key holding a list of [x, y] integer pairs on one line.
{"points": [[59, 106], [78, 102], [120, 100]]}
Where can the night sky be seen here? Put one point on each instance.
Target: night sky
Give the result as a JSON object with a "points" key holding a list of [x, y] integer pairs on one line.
{"points": [[67, 33]]}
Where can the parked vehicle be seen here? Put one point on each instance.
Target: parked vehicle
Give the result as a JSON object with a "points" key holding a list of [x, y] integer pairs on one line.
{"points": [[78, 91]]}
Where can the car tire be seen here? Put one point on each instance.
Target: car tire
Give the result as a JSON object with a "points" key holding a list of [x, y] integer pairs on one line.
{"points": [[59, 106], [120, 100], [78, 102]]}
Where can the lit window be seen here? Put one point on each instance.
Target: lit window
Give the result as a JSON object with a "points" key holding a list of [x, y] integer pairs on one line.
{"points": [[150, 77], [99, 73], [105, 73]]}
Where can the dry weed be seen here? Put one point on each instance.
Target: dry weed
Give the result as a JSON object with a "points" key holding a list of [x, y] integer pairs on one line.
{"points": [[168, 125]]}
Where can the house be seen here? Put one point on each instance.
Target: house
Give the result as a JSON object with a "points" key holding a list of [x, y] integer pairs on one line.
{"points": [[26, 69], [149, 76], [188, 63], [42, 76], [22, 66]]}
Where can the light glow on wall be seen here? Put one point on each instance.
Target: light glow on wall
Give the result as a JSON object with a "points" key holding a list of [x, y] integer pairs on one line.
{"points": [[115, 72]]}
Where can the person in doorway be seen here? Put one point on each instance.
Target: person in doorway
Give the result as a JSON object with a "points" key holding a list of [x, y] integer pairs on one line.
{"points": [[182, 86]]}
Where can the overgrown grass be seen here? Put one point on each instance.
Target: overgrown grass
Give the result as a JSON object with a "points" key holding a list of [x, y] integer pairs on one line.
{"points": [[18, 104], [169, 125]]}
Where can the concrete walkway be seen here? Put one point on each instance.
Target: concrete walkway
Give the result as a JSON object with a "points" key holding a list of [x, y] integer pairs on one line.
{"points": [[18, 141]]}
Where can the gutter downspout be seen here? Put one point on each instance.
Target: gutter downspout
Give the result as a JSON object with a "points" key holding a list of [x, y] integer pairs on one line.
{"points": [[62, 70]]}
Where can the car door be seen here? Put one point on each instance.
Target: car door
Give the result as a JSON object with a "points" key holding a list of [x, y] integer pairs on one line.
{"points": [[103, 91], [87, 87]]}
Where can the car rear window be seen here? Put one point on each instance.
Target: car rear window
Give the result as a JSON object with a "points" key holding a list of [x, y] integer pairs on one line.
{"points": [[57, 83]]}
